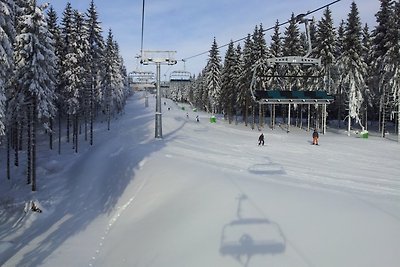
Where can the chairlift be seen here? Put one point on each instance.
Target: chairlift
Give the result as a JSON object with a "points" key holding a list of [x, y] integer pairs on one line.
{"points": [[287, 61], [263, 97], [179, 84], [180, 76], [142, 77]]}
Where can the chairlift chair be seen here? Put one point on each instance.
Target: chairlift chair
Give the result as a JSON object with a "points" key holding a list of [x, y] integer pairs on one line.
{"points": [[180, 76]]}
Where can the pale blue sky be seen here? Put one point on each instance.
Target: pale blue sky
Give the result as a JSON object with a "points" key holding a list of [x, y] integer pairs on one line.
{"points": [[189, 26]]}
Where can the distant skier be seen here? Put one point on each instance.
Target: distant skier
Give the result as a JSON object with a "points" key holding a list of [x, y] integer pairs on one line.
{"points": [[197, 118], [315, 137], [261, 139], [187, 115]]}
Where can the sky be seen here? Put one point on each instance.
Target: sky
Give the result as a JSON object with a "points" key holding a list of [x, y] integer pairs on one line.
{"points": [[188, 27], [205, 195]]}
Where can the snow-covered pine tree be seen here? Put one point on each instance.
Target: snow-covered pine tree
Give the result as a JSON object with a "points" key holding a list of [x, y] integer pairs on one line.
{"points": [[67, 32], [237, 72], [390, 77], [35, 65], [352, 67], [244, 98], [54, 29], [275, 50], [367, 58], [325, 47], [213, 78], [121, 83], [112, 81], [7, 34], [338, 85], [228, 82], [198, 91], [292, 47], [95, 55], [309, 81], [382, 41], [77, 81], [260, 55]]}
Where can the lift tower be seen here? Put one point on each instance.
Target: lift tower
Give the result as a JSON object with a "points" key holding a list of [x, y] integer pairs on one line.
{"points": [[158, 58]]}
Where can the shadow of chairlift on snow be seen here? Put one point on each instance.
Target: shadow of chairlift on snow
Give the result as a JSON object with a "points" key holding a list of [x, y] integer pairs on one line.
{"points": [[245, 237]]}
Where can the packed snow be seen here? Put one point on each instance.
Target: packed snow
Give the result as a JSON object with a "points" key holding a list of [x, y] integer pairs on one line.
{"points": [[206, 195]]}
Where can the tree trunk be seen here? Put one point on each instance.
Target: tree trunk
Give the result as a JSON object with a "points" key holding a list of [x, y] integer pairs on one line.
{"points": [[253, 120], [246, 113], [8, 154], [51, 134], [34, 125], [91, 111], [273, 116], [59, 130], [108, 115], [68, 128], [29, 147], [301, 117], [349, 122], [15, 139], [76, 132]]}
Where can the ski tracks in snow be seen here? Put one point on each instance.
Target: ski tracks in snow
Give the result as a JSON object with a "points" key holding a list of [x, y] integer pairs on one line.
{"points": [[116, 216]]}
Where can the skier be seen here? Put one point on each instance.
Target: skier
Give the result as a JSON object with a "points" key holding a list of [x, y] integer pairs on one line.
{"points": [[261, 139], [197, 118], [315, 137]]}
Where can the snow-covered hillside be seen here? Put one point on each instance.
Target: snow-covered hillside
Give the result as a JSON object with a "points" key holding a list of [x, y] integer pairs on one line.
{"points": [[207, 195]]}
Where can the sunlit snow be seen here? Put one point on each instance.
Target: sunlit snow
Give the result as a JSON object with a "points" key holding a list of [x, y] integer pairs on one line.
{"points": [[205, 195]]}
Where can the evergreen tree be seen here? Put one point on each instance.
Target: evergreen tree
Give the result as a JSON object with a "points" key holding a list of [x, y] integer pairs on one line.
{"points": [[35, 76], [390, 77], [198, 91], [213, 78], [7, 35], [112, 82], [244, 97], [338, 84], [259, 56], [325, 47], [292, 47], [54, 29], [67, 32], [381, 43], [228, 82], [367, 58], [275, 49], [95, 55], [352, 67]]}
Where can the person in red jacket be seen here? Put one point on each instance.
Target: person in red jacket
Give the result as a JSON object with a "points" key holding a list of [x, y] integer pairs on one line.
{"points": [[315, 137]]}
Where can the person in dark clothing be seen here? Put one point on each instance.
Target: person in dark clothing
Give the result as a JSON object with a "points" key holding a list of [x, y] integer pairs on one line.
{"points": [[315, 137], [261, 139]]}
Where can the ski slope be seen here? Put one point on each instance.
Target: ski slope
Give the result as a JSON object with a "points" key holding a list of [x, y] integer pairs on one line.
{"points": [[206, 195]]}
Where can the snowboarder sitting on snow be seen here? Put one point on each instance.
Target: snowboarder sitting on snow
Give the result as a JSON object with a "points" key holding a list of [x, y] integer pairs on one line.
{"points": [[315, 137], [261, 139]]}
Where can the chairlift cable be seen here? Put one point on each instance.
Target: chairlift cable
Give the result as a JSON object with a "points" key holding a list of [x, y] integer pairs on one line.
{"points": [[270, 28], [141, 42]]}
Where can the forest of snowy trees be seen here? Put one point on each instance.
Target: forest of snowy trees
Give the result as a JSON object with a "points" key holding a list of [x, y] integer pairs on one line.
{"points": [[360, 68], [56, 78]]}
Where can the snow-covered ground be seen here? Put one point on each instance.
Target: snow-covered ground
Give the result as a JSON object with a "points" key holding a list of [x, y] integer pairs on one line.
{"points": [[206, 195]]}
